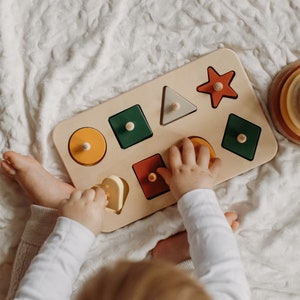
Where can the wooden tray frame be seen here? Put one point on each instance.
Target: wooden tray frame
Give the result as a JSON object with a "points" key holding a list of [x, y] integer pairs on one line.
{"points": [[207, 122]]}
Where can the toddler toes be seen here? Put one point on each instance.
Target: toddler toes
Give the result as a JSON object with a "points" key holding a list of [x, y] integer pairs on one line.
{"points": [[7, 168]]}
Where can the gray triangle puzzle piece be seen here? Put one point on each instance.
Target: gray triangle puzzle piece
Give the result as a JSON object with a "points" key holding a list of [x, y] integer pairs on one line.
{"points": [[174, 106]]}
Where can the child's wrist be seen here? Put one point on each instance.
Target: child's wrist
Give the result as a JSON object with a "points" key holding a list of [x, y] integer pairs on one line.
{"points": [[194, 190], [78, 224]]}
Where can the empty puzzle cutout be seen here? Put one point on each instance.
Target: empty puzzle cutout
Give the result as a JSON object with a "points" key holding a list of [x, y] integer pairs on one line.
{"points": [[116, 190], [174, 106], [218, 86]]}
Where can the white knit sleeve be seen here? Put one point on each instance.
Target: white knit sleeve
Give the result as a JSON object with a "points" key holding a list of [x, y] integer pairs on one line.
{"points": [[53, 271], [37, 230], [213, 248]]}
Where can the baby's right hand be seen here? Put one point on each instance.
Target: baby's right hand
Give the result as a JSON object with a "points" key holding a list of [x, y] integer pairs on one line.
{"points": [[189, 169], [87, 208]]}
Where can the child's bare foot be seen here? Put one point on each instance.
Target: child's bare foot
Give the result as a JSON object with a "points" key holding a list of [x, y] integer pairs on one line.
{"points": [[43, 188], [175, 249], [232, 220]]}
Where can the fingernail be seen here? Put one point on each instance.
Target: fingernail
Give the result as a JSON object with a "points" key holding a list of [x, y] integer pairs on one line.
{"points": [[12, 172], [8, 169]]}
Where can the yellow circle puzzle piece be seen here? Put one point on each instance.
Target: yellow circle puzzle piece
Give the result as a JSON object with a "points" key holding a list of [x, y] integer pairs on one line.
{"points": [[87, 146], [198, 141]]}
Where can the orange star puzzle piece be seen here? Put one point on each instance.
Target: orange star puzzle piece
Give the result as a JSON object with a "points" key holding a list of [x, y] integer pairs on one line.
{"points": [[218, 86]]}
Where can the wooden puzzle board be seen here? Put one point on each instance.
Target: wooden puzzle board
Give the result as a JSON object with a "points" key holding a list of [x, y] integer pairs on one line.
{"points": [[200, 119]]}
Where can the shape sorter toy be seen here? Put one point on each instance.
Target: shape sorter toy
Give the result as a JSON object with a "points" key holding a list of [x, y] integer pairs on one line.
{"points": [[120, 144]]}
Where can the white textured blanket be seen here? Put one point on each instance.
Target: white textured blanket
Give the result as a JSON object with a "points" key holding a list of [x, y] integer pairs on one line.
{"points": [[58, 58]]}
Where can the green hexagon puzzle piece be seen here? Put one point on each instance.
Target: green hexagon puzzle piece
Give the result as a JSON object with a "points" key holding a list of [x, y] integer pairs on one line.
{"points": [[241, 137], [130, 126]]}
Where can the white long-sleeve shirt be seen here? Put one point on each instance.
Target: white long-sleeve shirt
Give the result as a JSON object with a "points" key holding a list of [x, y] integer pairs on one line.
{"points": [[53, 271], [213, 249]]}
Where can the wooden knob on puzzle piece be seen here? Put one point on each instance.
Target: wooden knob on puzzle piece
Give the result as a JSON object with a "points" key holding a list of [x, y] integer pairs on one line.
{"points": [[129, 126], [241, 138], [86, 146], [175, 106], [218, 86], [152, 177]]}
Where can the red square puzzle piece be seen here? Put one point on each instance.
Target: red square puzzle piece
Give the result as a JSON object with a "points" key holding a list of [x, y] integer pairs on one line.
{"points": [[151, 182]]}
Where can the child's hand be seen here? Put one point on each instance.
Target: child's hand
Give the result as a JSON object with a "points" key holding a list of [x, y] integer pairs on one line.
{"points": [[87, 208], [190, 169]]}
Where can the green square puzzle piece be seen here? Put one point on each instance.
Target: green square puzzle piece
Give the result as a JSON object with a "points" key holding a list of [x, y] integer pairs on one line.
{"points": [[241, 137], [130, 126]]}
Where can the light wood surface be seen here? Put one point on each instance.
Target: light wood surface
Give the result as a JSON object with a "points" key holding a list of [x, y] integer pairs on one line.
{"points": [[206, 122]]}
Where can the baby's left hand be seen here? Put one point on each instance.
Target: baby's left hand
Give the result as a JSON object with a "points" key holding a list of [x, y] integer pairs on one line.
{"points": [[87, 208]]}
